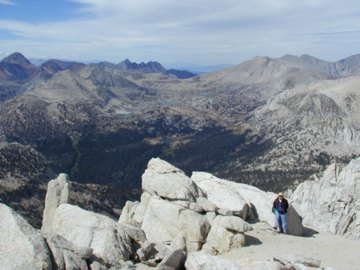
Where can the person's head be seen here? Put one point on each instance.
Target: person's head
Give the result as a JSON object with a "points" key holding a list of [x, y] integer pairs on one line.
{"points": [[281, 195]]}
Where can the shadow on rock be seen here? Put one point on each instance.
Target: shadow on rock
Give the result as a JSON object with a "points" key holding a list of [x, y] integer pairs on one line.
{"points": [[250, 241], [308, 232]]}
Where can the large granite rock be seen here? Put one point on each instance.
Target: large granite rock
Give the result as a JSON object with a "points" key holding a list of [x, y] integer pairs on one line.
{"points": [[107, 238], [176, 257], [128, 212], [226, 233], [139, 211], [166, 181], [57, 193], [21, 246], [228, 193], [332, 202], [172, 204], [222, 194], [66, 255], [164, 220], [203, 261]]}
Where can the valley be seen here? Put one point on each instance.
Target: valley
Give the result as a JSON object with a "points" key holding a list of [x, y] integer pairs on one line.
{"points": [[268, 122]]}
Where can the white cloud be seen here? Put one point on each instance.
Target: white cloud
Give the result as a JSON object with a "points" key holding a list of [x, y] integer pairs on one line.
{"points": [[6, 2], [203, 31]]}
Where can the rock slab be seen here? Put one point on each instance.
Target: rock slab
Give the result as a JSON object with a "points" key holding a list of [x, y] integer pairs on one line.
{"points": [[224, 193], [332, 202], [106, 237], [21, 246]]}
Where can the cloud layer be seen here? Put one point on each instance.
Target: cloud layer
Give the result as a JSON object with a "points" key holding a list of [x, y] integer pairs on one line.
{"points": [[202, 31], [6, 2]]}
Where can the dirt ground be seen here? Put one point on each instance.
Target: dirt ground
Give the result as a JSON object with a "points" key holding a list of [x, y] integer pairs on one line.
{"points": [[263, 243]]}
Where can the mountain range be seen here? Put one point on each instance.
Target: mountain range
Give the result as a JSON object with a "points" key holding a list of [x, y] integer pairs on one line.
{"points": [[269, 122]]}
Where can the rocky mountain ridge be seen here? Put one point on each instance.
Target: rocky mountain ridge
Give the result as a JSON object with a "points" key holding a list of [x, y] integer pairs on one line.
{"points": [[149, 67], [345, 67], [321, 118]]}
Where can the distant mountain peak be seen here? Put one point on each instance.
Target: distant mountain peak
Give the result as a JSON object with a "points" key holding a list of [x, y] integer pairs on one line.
{"points": [[149, 67], [17, 58], [126, 61], [16, 67], [261, 58], [153, 67], [308, 57]]}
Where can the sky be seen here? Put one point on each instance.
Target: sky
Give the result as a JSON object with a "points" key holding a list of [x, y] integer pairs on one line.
{"points": [[173, 32]]}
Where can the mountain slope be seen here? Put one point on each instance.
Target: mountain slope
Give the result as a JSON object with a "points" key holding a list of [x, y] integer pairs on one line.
{"points": [[345, 67], [53, 66], [309, 127], [268, 122]]}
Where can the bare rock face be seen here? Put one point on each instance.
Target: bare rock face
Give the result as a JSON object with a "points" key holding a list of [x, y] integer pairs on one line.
{"points": [[176, 257], [128, 212], [332, 202], [203, 261], [67, 255], [21, 246], [164, 220], [57, 193], [221, 194], [173, 204], [166, 181], [78, 238], [226, 233], [251, 202], [108, 240]]}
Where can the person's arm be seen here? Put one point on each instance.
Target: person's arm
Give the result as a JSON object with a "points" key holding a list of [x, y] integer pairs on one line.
{"points": [[273, 209]]}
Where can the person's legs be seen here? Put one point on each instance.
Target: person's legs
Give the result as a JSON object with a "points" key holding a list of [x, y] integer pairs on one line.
{"points": [[277, 218], [283, 222]]}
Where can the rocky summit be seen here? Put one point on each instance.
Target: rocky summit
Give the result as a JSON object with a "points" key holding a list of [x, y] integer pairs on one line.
{"points": [[179, 223], [268, 122]]}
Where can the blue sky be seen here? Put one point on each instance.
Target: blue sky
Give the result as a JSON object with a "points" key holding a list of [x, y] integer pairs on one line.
{"points": [[38, 11], [170, 31]]}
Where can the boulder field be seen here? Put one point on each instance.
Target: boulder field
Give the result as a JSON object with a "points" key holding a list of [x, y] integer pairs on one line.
{"points": [[180, 222]]}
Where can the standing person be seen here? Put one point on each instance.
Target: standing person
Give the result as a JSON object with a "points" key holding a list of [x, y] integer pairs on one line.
{"points": [[280, 206]]}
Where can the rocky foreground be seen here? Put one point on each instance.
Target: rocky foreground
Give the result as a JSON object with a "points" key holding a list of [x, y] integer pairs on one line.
{"points": [[201, 222]]}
